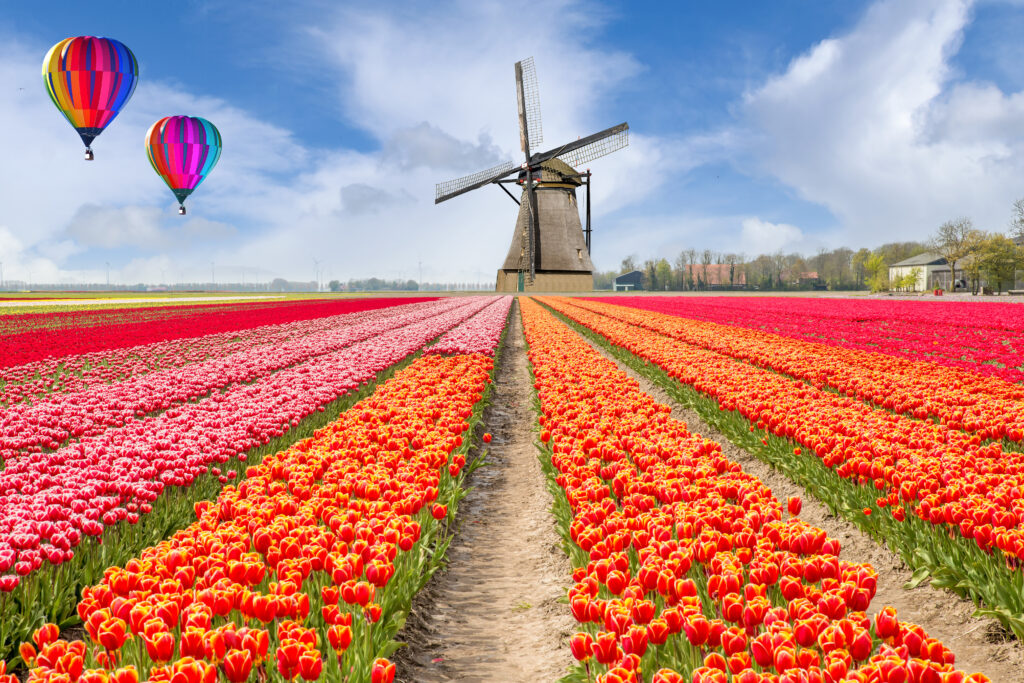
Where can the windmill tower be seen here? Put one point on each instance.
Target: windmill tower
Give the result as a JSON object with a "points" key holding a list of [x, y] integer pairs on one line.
{"points": [[550, 251]]}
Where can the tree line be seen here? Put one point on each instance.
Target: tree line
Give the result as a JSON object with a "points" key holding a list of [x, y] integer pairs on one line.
{"points": [[994, 257]]}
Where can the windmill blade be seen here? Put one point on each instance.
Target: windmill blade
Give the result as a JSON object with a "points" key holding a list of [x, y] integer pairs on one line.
{"points": [[528, 95], [606, 145], [589, 148], [453, 188]]}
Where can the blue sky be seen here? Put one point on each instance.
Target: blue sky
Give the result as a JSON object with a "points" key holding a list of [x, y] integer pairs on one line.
{"points": [[755, 127]]}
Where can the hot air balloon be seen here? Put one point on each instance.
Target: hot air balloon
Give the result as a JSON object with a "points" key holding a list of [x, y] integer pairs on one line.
{"points": [[90, 79], [183, 150]]}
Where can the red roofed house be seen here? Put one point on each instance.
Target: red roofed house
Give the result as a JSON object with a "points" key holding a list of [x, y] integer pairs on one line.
{"points": [[716, 275]]}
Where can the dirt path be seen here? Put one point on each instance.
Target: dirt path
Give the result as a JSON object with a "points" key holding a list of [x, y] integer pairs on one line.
{"points": [[978, 643], [494, 614]]}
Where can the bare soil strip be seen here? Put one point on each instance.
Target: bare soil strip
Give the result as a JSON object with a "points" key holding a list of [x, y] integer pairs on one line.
{"points": [[494, 613], [980, 644]]}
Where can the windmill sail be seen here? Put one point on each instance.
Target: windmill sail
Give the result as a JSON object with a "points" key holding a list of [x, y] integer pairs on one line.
{"points": [[614, 141], [589, 148], [453, 188], [528, 96]]}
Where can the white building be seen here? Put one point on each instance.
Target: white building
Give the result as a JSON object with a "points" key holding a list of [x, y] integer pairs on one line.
{"points": [[931, 269]]}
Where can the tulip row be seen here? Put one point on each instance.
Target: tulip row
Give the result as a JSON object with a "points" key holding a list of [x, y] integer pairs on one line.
{"points": [[52, 502], [308, 567], [961, 399], [37, 381], [685, 568], [955, 506], [50, 422], [984, 339], [479, 334], [121, 328]]}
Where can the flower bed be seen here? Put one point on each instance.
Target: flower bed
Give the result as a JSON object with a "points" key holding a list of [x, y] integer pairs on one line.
{"points": [[50, 421], [962, 399], [306, 568], [985, 339], [120, 328], [479, 334], [686, 567], [52, 502], [46, 379], [952, 503]]}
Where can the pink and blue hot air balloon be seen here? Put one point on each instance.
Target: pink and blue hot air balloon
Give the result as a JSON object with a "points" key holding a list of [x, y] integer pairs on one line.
{"points": [[183, 150]]}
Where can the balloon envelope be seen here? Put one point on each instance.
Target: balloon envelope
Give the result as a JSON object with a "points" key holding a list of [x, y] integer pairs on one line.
{"points": [[183, 150], [89, 79]]}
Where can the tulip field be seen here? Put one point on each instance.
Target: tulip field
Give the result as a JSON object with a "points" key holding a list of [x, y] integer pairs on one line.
{"points": [[260, 490]]}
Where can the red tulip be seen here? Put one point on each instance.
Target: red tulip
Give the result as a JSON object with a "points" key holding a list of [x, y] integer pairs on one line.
{"points": [[605, 648], [794, 504], [237, 664], [310, 665], [382, 671], [112, 634]]}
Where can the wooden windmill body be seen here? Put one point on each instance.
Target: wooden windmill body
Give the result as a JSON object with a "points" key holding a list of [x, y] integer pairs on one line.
{"points": [[550, 251]]}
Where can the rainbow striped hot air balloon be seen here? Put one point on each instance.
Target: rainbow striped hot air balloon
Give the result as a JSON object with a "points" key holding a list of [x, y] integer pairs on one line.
{"points": [[183, 150], [89, 79]]}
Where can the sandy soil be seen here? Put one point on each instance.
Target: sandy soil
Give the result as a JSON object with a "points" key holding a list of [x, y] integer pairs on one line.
{"points": [[978, 643], [493, 614]]}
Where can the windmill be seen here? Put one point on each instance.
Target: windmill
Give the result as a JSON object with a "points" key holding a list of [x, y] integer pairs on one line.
{"points": [[550, 251]]}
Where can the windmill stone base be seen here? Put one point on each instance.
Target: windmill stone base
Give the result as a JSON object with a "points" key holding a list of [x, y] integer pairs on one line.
{"points": [[508, 281]]}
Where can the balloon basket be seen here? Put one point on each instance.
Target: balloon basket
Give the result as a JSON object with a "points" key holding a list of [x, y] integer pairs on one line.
{"points": [[88, 154], [181, 210]]}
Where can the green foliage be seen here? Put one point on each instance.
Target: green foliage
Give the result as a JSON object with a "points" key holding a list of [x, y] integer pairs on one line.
{"points": [[998, 259]]}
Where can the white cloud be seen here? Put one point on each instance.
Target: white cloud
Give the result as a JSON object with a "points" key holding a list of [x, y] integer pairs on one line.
{"points": [[875, 126], [98, 226], [761, 237]]}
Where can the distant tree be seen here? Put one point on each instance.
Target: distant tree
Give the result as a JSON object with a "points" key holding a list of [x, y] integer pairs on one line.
{"points": [[650, 271], [663, 271], [679, 272], [691, 257], [334, 286], [741, 269], [1017, 222], [858, 262], [706, 257], [629, 264], [999, 259], [910, 280], [731, 260], [878, 273], [894, 252], [278, 284], [955, 240], [603, 280]]}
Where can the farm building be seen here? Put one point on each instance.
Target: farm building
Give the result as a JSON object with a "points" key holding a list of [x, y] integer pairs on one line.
{"points": [[931, 271], [628, 281], [634, 279]]}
